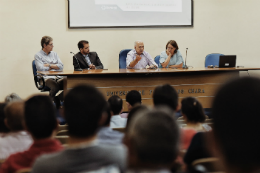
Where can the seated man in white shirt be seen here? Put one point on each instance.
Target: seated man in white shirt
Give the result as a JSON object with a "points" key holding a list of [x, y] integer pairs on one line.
{"points": [[116, 106], [138, 58], [17, 139], [47, 60]]}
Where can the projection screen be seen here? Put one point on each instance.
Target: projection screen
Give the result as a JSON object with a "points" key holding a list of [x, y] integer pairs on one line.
{"points": [[130, 13]]}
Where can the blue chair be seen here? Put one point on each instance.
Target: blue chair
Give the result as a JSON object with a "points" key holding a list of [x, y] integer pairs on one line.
{"points": [[38, 79], [212, 59], [157, 60], [122, 58]]}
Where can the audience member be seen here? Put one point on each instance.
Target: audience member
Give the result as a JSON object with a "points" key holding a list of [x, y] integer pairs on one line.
{"points": [[40, 122], [196, 150], [12, 97], [193, 114], [116, 106], [133, 112], [166, 95], [3, 128], [133, 98], [236, 125], [106, 135], [152, 141], [83, 108], [17, 139]]}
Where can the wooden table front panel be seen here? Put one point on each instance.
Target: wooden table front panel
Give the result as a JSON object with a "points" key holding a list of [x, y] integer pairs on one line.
{"points": [[201, 85]]}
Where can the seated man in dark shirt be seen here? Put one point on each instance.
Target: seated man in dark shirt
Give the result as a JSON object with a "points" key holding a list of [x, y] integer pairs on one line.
{"points": [[85, 59]]}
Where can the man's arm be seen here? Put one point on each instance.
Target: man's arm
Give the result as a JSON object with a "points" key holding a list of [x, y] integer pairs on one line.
{"points": [[131, 61], [40, 66], [99, 64], [151, 61], [58, 66]]}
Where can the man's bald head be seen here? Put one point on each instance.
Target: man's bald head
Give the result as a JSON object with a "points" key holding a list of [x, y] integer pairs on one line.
{"points": [[14, 115], [139, 47]]}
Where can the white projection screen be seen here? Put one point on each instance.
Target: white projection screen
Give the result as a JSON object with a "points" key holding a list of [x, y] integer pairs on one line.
{"points": [[130, 13]]}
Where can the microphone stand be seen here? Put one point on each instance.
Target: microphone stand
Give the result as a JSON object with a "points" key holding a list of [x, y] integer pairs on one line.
{"points": [[185, 66], [79, 69]]}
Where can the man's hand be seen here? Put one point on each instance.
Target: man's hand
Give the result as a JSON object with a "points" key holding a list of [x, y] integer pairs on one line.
{"points": [[92, 66], [138, 57], [46, 65], [152, 67]]}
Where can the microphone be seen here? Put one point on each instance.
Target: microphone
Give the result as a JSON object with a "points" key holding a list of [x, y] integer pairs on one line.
{"points": [[79, 69], [185, 66]]}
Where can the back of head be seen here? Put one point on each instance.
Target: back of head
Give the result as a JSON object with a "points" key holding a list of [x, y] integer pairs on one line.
{"points": [[39, 115], [116, 104], [154, 136], [3, 128], [193, 110], [165, 95], [133, 112], [108, 115], [236, 123], [133, 97], [14, 112], [83, 106], [12, 98]]}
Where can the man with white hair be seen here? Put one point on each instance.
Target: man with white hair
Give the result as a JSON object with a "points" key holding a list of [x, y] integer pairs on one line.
{"points": [[138, 58]]}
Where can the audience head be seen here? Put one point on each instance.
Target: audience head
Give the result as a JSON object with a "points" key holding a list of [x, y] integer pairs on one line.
{"points": [[3, 128], [14, 113], [116, 104], [166, 95], [106, 116], [236, 124], [133, 112], [139, 47], [133, 98], [83, 108], [83, 46], [192, 110], [152, 139], [47, 43], [12, 98], [172, 46], [39, 115]]}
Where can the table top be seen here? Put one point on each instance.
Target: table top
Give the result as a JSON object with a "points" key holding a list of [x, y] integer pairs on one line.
{"points": [[139, 71]]}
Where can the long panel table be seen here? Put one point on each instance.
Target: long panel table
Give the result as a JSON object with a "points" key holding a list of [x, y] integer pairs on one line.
{"points": [[201, 83]]}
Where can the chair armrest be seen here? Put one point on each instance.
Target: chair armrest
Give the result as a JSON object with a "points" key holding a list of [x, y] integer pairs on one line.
{"points": [[39, 82]]}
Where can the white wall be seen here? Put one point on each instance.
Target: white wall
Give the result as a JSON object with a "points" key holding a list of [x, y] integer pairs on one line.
{"points": [[220, 26]]}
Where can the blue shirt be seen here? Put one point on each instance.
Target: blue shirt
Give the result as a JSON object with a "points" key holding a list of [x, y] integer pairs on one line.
{"points": [[176, 59], [108, 136]]}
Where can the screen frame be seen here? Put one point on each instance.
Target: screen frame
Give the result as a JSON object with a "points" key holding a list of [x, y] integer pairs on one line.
{"points": [[144, 26]]}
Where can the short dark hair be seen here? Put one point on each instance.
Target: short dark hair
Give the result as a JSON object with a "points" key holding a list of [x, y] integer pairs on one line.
{"points": [[39, 115], [133, 97], [81, 44], [83, 107], [174, 44], [3, 128], [133, 112], [14, 112], [193, 110], [116, 104], [236, 123], [165, 95], [155, 137], [45, 40]]}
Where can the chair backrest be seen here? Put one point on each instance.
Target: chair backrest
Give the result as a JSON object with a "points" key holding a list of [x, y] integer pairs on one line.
{"points": [[34, 68], [156, 59], [24, 170], [62, 133], [212, 59], [62, 139], [210, 164], [122, 58]]}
